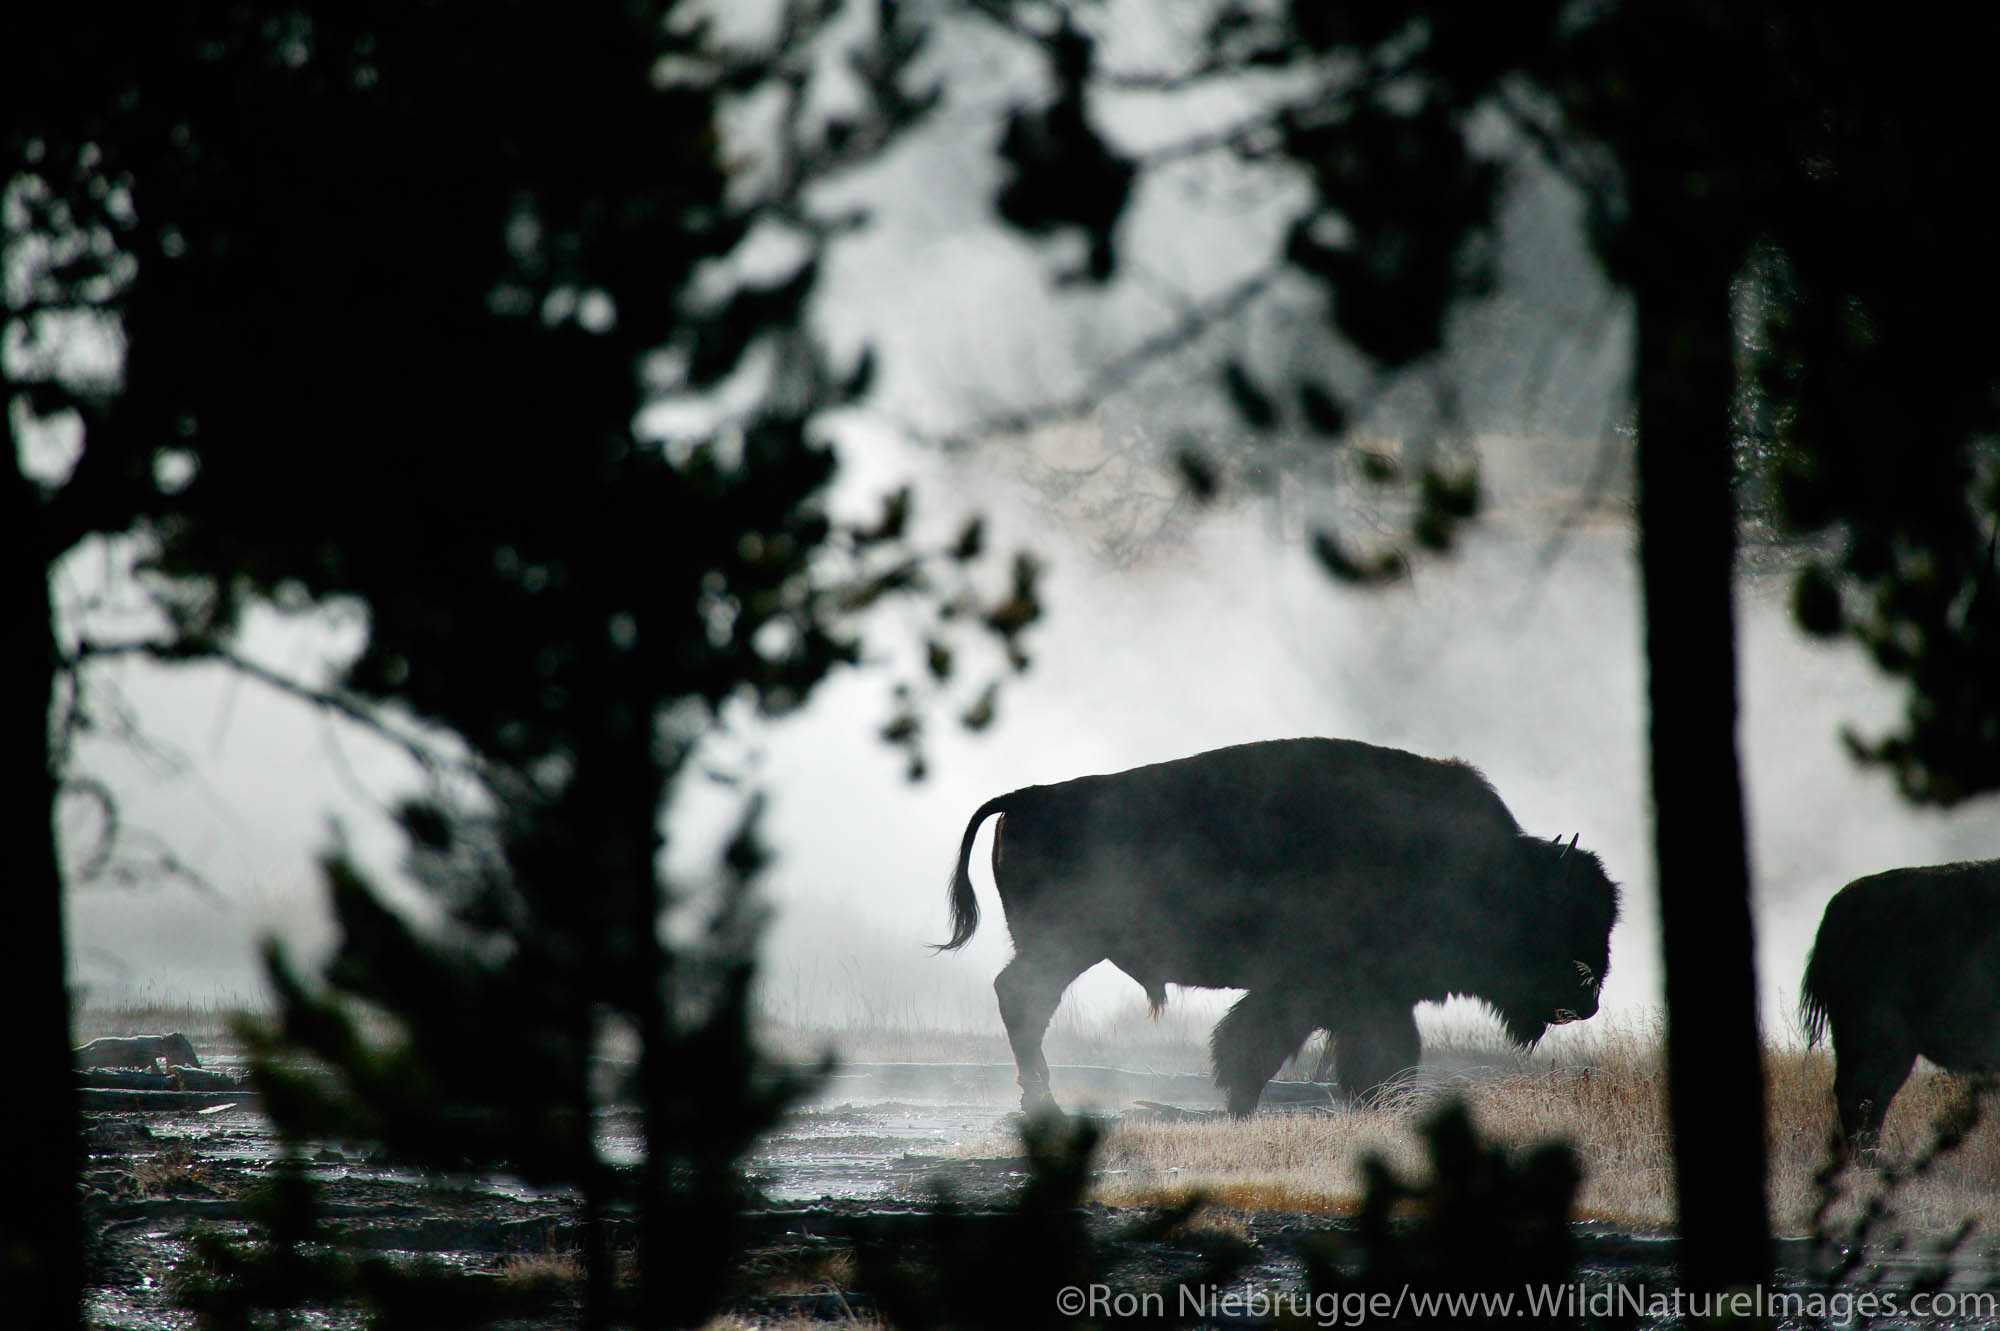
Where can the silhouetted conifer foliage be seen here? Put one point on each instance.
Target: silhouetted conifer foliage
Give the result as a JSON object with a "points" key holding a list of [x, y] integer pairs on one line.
{"points": [[1866, 404], [1849, 1253], [1484, 1221], [384, 292], [304, 1266], [364, 300], [1871, 394], [1005, 1270]]}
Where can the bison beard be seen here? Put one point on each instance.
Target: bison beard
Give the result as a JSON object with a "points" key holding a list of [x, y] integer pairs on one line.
{"points": [[1339, 883], [1905, 963]]}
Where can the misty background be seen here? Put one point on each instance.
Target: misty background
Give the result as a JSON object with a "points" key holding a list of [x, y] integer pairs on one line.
{"points": [[1530, 672], [1169, 631]]}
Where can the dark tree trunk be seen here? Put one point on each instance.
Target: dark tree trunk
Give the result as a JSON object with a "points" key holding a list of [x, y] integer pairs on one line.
{"points": [[1687, 547], [674, 1265], [598, 1287], [41, 1264], [613, 808], [658, 1239]]}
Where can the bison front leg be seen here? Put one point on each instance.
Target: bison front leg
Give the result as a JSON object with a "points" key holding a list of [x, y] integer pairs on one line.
{"points": [[1866, 1077], [1375, 1048], [1029, 987], [1252, 1041]]}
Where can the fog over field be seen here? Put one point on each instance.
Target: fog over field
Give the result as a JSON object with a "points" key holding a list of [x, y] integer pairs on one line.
{"points": [[1517, 655], [1521, 653]]}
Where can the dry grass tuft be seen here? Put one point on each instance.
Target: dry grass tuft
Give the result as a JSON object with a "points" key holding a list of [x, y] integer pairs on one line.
{"points": [[1961, 1185], [1601, 1087], [1288, 1162], [1606, 1096], [788, 1272], [1218, 1220], [551, 1269], [176, 1169]]}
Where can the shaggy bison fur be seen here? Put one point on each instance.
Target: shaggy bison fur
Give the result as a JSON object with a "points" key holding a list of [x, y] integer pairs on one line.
{"points": [[1905, 963], [1339, 883]]}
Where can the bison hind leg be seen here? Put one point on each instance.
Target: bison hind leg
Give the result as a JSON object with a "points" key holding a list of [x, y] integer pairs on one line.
{"points": [[1252, 1041], [1029, 987]]}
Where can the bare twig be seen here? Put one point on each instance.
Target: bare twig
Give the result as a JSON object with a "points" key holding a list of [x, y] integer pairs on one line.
{"points": [[1196, 323], [340, 704]]}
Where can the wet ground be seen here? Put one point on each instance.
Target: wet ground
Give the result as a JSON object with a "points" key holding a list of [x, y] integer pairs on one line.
{"points": [[870, 1143], [865, 1152]]}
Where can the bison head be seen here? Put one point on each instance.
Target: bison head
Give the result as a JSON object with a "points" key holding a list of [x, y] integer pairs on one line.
{"points": [[1561, 948], [1535, 1002], [1585, 1005], [178, 1051]]}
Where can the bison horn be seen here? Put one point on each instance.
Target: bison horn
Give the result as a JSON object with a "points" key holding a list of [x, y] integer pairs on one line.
{"points": [[1589, 977], [1570, 847]]}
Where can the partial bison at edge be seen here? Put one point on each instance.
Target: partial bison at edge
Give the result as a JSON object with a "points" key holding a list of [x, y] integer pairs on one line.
{"points": [[1906, 962], [1339, 883]]}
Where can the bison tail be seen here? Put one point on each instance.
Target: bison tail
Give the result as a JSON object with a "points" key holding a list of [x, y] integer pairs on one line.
{"points": [[964, 905], [1812, 1001]]}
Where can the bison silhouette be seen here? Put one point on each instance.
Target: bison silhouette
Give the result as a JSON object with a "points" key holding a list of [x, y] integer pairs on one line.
{"points": [[136, 1051], [1339, 883], [1905, 963]]}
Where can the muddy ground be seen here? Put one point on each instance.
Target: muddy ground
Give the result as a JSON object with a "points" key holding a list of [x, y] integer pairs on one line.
{"points": [[868, 1150]]}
